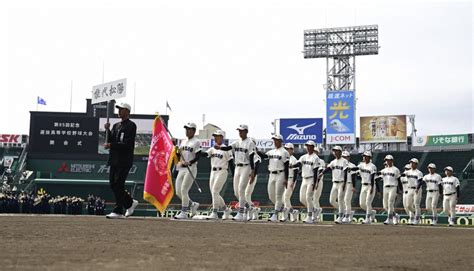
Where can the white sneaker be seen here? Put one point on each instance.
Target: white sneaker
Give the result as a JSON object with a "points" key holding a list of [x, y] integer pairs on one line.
{"points": [[416, 222], [227, 214], [396, 219], [114, 216], [317, 214], [308, 220], [256, 213], [251, 213], [366, 221], [410, 221], [285, 214], [239, 217], [388, 222], [451, 222], [338, 220], [372, 216], [213, 216], [345, 220], [130, 210], [194, 208], [434, 222], [294, 215], [273, 218], [181, 215]]}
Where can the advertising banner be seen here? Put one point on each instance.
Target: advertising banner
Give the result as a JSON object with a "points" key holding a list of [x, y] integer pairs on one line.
{"points": [[298, 131], [383, 129], [440, 140], [340, 112]]}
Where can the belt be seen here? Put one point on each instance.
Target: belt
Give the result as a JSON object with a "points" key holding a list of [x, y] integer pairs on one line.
{"points": [[412, 187], [308, 177], [404, 182], [390, 186], [406, 192], [450, 194], [242, 165], [338, 181], [365, 183], [216, 168], [276, 171], [432, 190]]}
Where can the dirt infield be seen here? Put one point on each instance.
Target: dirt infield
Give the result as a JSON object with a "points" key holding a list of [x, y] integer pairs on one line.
{"points": [[94, 243]]}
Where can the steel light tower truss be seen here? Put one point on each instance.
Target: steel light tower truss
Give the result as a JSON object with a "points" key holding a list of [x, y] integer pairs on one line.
{"points": [[340, 46]]}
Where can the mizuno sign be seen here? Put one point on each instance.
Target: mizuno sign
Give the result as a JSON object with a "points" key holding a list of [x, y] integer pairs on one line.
{"points": [[298, 131]]}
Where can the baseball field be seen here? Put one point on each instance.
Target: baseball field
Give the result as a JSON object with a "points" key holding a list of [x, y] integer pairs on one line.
{"points": [[44, 242]]}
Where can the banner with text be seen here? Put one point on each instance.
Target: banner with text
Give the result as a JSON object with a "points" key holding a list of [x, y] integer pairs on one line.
{"points": [[440, 140], [340, 121], [109, 91]]}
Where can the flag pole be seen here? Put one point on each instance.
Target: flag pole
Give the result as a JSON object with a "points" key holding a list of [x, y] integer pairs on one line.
{"points": [[70, 99], [107, 109]]}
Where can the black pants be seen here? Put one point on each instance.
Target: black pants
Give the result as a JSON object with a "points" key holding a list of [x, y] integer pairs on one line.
{"points": [[117, 178]]}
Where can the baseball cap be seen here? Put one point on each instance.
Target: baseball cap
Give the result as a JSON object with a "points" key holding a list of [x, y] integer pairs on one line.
{"points": [[388, 157], [407, 166], [190, 125], [449, 168], [289, 146], [367, 153], [218, 133], [414, 160], [337, 148], [346, 154], [278, 137], [310, 143], [243, 127], [124, 105], [431, 165]]}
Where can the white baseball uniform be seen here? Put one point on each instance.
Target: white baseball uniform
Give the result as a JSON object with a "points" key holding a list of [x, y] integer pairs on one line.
{"points": [[251, 186], [450, 196], [367, 173], [242, 151], [309, 162], [390, 177], [432, 193], [413, 197], [336, 198], [276, 180], [290, 185], [404, 181], [187, 150], [348, 190], [219, 171]]}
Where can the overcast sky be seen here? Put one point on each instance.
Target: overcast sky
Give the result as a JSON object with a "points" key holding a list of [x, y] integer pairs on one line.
{"points": [[236, 62]]}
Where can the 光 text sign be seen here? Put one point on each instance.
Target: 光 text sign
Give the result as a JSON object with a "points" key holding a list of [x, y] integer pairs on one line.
{"points": [[340, 112], [298, 131]]}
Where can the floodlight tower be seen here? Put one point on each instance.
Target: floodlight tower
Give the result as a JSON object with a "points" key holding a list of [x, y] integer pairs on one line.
{"points": [[340, 46]]}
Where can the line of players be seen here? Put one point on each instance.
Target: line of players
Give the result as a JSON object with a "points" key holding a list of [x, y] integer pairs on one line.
{"points": [[243, 159]]}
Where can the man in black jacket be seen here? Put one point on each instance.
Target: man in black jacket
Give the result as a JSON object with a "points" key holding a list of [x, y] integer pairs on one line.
{"points": [[121, 143]]}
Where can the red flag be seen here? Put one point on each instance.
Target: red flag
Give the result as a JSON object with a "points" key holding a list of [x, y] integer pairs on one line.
{"points": [[158, 183]]}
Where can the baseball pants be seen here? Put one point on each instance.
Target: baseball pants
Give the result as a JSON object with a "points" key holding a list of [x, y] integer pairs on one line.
{"points": [[249, 191], [306, 193], [389, 196], [216, 182], [184, 181], [348, 198], [276, 188], [287, 195], [366, 198], [241, 181], [336, 198], [432, 203], [317, 194], [449, 205]]}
